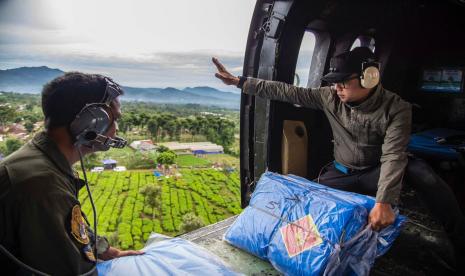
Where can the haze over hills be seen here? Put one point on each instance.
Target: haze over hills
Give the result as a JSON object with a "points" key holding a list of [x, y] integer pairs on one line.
{"points": [[27, 79], [31, 80]]}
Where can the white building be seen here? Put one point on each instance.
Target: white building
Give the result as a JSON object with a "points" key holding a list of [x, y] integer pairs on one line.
{"points": [[194, 148], [142, 145]]}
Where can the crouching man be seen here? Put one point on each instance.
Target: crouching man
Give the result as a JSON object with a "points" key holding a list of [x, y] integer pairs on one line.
{"points": [[371, 129]]}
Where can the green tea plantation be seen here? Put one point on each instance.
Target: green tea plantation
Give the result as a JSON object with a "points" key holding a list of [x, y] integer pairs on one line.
{"points": [[127, 214]]}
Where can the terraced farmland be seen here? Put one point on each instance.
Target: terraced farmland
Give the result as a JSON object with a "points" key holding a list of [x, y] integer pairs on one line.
{"points": [[124, 214]]}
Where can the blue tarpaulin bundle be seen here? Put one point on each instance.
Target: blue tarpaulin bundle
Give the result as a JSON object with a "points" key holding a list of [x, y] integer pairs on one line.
{"points": [[434, 143], [304, 228], [167, 256]]}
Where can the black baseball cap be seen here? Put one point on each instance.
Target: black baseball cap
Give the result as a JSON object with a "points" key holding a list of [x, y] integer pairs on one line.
{"points": [[342, 66]]}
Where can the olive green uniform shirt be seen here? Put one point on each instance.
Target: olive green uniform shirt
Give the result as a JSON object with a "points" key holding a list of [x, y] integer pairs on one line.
{"points": [[38, 192], [376, 131]]}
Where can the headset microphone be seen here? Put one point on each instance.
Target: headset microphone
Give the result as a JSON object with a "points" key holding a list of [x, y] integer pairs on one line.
{"points": [[108, 142]]}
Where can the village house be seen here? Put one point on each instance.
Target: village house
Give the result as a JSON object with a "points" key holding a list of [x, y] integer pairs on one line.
{"points": [[142, 145], [14, 130], [194, 148], [109, 164]]}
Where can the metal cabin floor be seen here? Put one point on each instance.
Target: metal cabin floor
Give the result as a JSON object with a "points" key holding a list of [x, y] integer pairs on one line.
{"points": [[211, 238], [421, 249]]}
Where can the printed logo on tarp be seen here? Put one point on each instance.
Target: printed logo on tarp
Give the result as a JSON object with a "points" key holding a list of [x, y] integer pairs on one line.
{"points": [[300, 235]]}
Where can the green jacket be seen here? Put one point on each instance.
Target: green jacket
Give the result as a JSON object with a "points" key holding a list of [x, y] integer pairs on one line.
{"points": [[40, 217], [373, 132]]}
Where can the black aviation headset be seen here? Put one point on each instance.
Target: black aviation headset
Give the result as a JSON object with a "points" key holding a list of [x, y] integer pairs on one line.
{"points": [[90, 125]]}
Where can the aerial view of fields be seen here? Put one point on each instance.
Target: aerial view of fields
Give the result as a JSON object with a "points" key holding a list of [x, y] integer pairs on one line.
{"points": [[178, 173], [127, 216]]}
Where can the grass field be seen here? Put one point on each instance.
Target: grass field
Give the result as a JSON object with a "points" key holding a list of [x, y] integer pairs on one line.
{"points": [[125, 217], [191, 161], [133, 159], [223, 159]]}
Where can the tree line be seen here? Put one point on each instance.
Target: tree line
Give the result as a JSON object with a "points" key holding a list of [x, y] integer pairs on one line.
{"points": [[159, 122], [166, 126]]}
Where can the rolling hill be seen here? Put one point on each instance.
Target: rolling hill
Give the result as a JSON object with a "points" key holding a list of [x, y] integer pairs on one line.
{"points": [[32, 79]]}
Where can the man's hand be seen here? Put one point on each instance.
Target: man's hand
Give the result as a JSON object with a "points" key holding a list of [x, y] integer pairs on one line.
{"points": [[113, 252], [381, 216], [224, 75]]}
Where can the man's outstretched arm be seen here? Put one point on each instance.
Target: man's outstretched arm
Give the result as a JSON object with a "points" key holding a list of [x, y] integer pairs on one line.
{"points": [[106, 252], [224, 75], [275, 90], [114, 252]]}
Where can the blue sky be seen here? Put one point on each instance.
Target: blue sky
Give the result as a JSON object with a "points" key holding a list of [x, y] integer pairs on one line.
{"points": [[144, 43]]}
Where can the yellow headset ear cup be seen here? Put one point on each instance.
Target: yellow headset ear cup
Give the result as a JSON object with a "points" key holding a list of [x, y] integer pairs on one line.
{"points": [[369, 77]]}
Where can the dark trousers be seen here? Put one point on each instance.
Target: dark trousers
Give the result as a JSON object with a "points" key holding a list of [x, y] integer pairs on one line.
{"points": [[435, 193]]}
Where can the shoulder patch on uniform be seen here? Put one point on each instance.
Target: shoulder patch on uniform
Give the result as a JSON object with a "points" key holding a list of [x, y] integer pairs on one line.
{"points": [[78, 227]]}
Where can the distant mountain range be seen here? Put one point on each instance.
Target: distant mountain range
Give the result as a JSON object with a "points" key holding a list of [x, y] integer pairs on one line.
{"points": [[32, 79]]}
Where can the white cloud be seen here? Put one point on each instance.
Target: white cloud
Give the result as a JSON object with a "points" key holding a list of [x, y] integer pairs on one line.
{"points": [[154, 70], [139, 26], [139, 42]]}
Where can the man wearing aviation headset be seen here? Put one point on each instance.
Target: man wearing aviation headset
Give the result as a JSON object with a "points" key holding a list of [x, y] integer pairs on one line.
{"points": [[43, 229], [371, 129]]}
